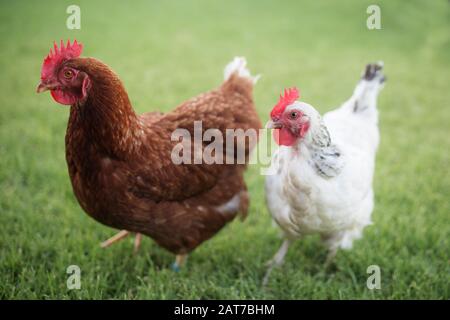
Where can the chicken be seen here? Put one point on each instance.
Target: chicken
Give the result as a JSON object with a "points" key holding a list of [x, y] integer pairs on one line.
{"points": [[120, 163], [323, 170]]}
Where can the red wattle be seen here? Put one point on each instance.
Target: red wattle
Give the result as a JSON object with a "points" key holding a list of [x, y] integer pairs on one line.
{"points": [[63, 97], [284, 137]]}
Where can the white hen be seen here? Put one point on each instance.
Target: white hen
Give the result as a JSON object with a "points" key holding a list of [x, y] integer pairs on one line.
{"points": [[323, 170]]}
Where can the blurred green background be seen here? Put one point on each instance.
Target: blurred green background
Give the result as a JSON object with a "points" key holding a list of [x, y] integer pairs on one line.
{"points": [[166, 52]]}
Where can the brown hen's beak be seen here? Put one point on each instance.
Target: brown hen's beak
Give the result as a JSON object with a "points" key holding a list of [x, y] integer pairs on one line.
{"points": [[44, 86], [273, 125], [41, 87]]}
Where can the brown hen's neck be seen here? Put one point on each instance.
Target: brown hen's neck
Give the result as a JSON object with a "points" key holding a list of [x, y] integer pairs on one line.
{"points": [[106, 117]]}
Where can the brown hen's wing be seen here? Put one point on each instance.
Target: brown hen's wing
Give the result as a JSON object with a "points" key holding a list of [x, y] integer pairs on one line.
{"points": [[157, 177]]}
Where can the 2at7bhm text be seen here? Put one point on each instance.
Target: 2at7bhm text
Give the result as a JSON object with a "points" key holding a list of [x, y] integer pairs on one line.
{"points": [[226, 309]]}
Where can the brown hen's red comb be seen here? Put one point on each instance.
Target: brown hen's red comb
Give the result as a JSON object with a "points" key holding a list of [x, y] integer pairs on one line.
{"points": [[60, 54], [290, 95]]}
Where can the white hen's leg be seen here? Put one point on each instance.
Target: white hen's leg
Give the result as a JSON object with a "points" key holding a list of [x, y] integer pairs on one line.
{"points": [[341, 240], [277, 259], [330, 256], [333, 242]]}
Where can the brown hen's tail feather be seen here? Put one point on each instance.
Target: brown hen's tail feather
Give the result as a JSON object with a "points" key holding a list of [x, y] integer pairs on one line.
{"points": [[238, 78]]}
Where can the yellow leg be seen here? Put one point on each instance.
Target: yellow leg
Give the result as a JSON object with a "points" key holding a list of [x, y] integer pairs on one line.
{"points": [[137, 242], [117, 237], [180, 260], [121, 235]]}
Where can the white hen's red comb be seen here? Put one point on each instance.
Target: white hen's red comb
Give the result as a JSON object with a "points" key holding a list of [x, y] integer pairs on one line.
{"points": [[290, 95], [60, 54]]}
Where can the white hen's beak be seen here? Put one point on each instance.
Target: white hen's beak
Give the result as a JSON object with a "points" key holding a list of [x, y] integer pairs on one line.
{"points": [[273, 125]]}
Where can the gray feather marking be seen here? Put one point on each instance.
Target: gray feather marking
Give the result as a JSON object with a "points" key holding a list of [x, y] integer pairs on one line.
{"points": [[326, 157]]}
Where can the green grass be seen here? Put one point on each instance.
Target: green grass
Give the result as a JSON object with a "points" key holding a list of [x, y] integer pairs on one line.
{"points": [[168, 52]]}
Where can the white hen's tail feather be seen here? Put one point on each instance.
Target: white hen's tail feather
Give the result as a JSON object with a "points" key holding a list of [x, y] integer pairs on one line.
{"points": [[239, 65], [366, 92]]}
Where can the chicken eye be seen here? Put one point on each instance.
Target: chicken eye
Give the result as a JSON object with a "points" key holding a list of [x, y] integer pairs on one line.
{"points": [[68, 74], [293, 115]]}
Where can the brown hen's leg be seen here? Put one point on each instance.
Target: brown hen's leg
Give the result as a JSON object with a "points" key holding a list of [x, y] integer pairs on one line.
{"points": [[117, 237], [121, 235], [180, 260], [137, 242]]}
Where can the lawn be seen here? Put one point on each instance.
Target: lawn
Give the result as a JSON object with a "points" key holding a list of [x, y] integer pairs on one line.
{"points": [[168, 52]]}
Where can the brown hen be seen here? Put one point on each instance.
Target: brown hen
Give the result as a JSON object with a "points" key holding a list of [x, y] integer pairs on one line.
{"points": [[120, 163]]}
